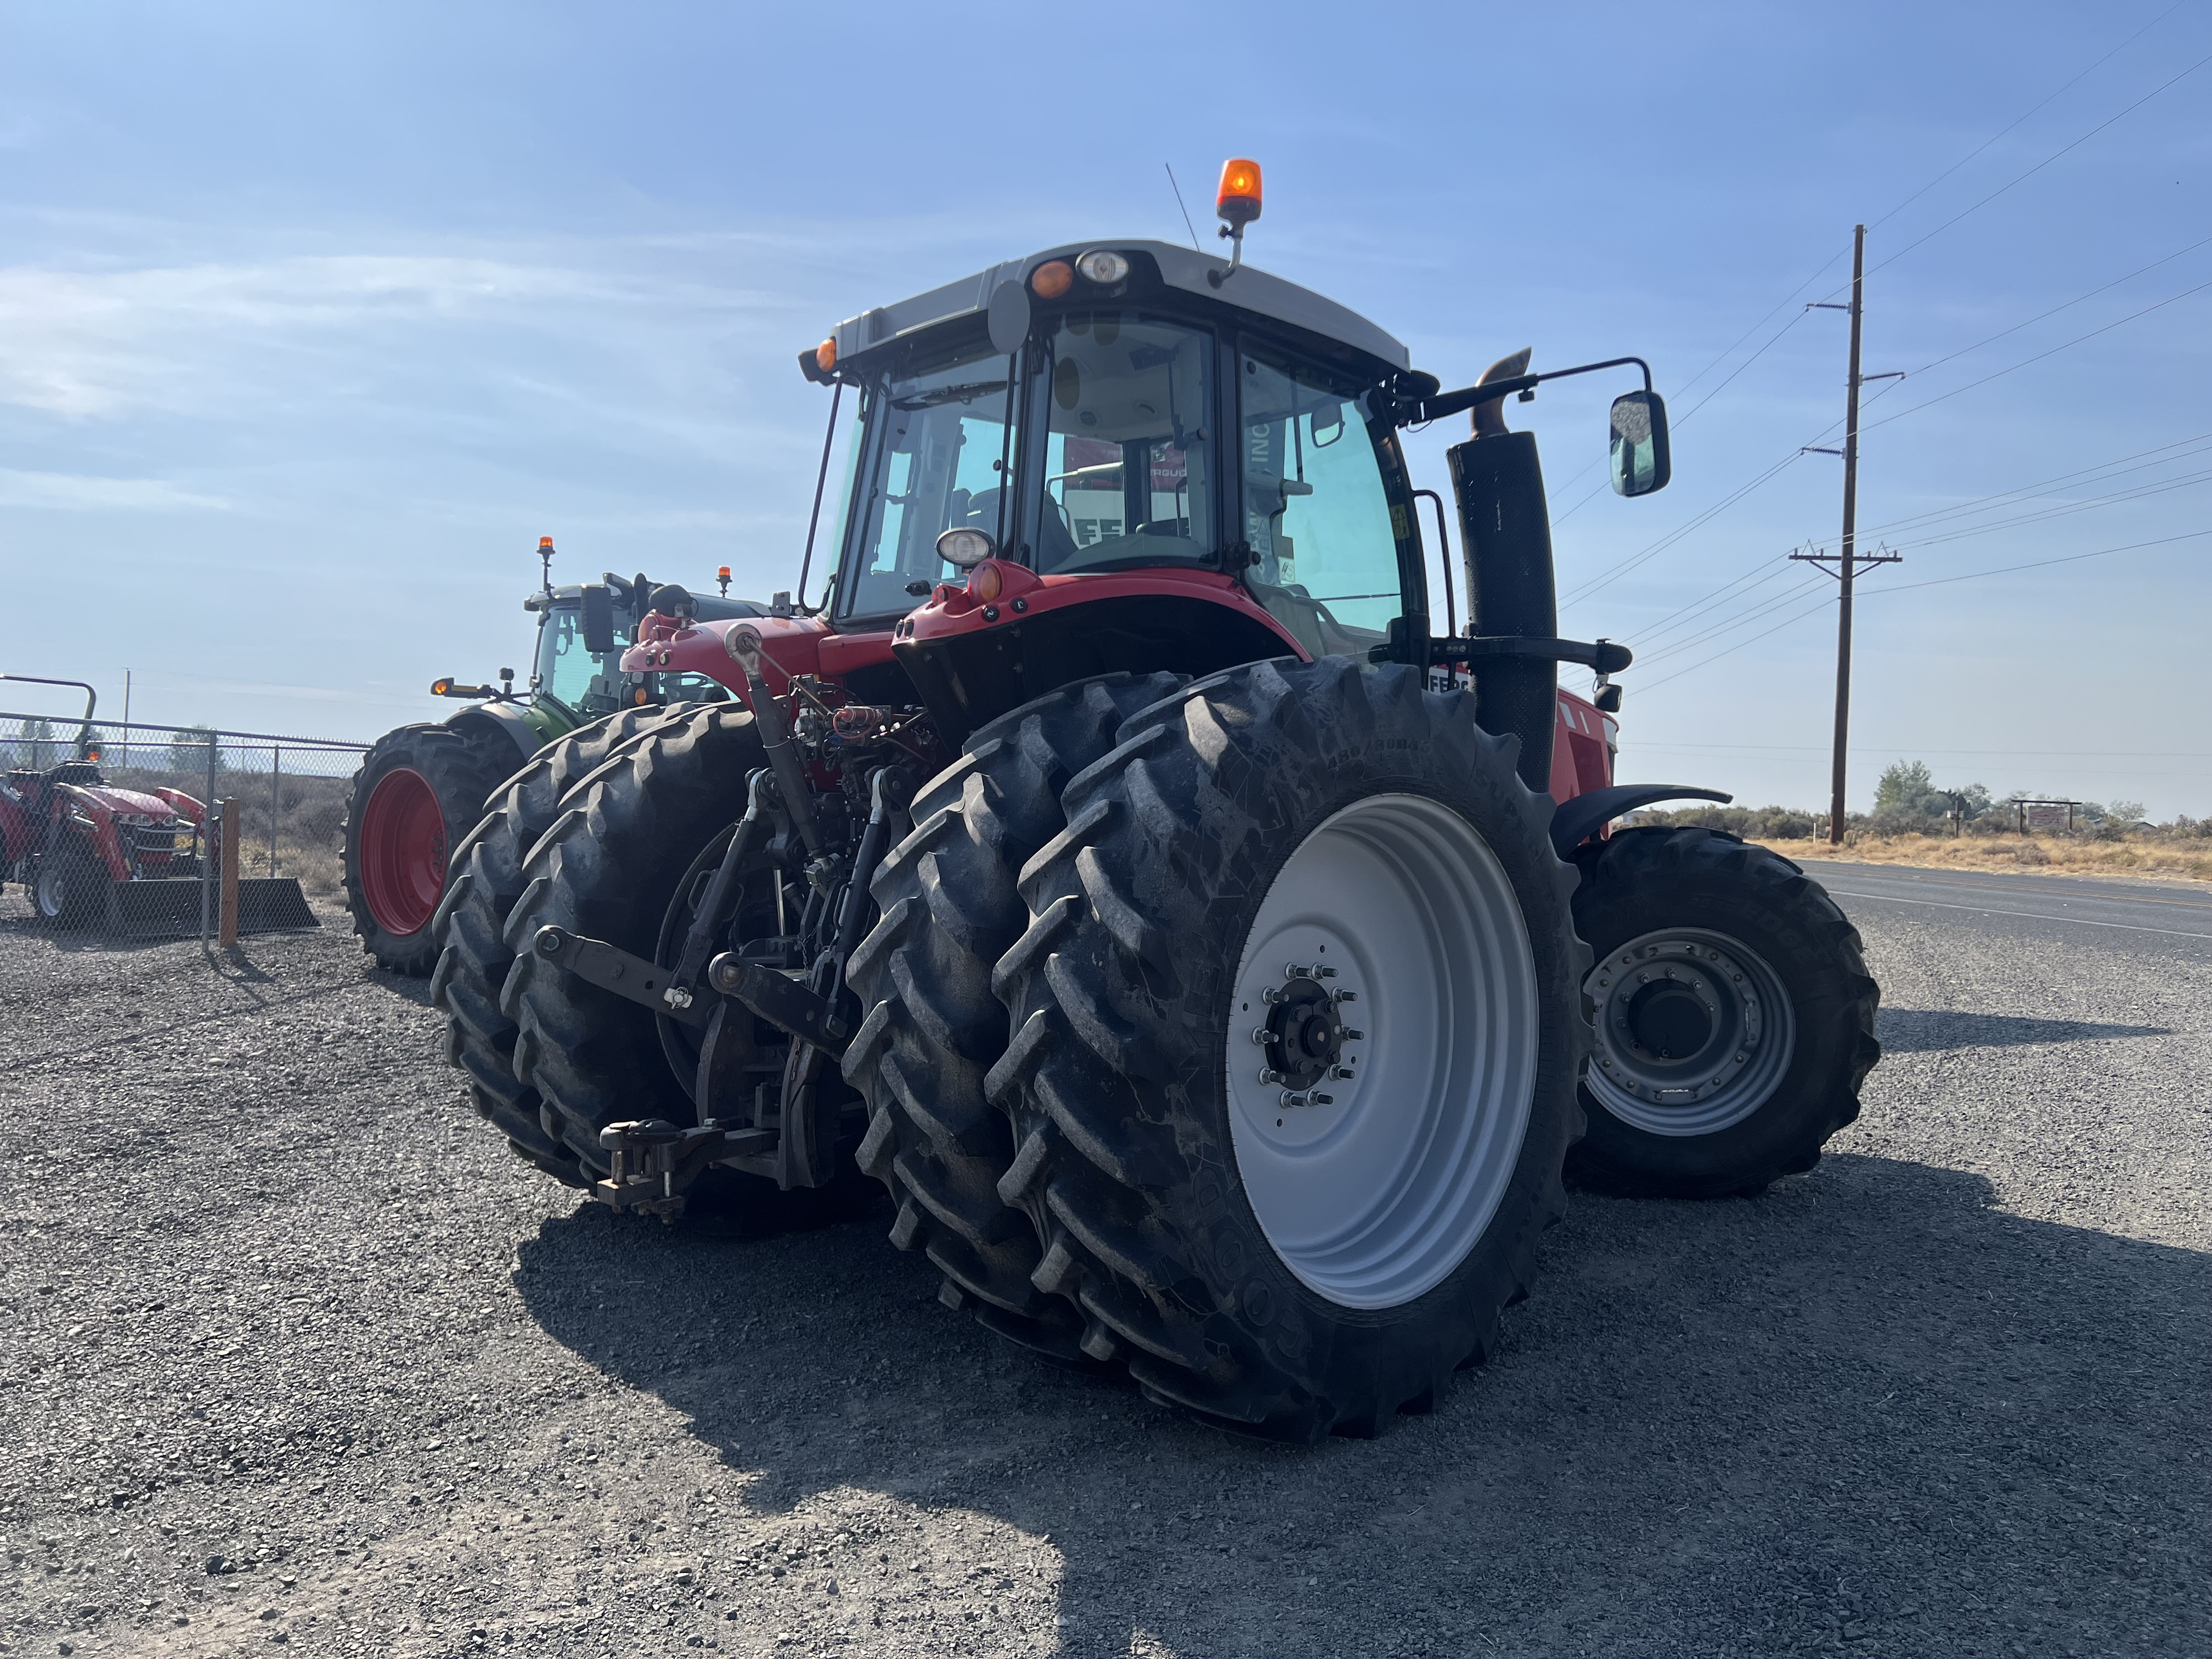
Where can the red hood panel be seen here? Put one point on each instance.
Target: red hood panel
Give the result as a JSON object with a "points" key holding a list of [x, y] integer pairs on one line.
{"points": [[124, 801]]}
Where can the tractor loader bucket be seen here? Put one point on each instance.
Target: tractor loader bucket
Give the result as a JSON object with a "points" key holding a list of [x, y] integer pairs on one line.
{"points": [[170, 909]]}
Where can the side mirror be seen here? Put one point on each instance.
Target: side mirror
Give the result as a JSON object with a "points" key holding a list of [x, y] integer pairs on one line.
{"points": [[599, 619], [1641, 463]]}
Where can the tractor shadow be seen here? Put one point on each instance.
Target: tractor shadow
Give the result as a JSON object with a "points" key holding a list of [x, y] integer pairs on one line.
{"points": [[1867, 1403], [1928, 1030]]}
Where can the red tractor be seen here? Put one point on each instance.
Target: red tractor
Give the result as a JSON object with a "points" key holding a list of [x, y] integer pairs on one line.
{"points": [[80, 844], [1220, 966]]}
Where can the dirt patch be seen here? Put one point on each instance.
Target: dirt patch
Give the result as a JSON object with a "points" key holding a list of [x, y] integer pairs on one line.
{"points": [[2161, 857]]}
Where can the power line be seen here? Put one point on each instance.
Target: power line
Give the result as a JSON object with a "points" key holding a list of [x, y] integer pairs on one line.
{"points": [[2031, 173], [2042, 564], [2041, 355], [1585, 499], [1584, 590], [2044, 485], [2001, 131], [1937, 581]]}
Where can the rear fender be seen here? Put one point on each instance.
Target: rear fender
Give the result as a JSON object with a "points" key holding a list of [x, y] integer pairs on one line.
{"points": [[974, 660], [530, 729]]}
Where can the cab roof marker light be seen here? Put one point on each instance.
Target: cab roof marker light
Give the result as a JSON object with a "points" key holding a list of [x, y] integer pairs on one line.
{"points": [[1104, 266], [1052, 279]]}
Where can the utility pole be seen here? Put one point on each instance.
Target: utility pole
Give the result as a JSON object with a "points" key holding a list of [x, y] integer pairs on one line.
{"points": [[1849, 560]]}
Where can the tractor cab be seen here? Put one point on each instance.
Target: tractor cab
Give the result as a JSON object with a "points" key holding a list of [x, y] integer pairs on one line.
{"points": [[1190, 458]]}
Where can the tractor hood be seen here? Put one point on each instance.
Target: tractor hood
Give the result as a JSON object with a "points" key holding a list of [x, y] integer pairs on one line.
{"points": [[113, 799]]}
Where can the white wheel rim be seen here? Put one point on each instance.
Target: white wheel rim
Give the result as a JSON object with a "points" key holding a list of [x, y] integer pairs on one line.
{"points": [[1736, 1012], [1375, 1197]]}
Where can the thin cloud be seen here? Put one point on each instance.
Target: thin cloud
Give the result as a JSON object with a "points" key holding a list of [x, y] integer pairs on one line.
{"points": [[70, 492]]}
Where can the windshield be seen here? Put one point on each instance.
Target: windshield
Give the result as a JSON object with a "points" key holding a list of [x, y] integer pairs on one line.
{"points": [[940, 448], [1127, 465], [565, 669]]}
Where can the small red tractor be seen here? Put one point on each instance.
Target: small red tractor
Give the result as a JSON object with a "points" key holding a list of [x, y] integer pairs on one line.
{"points": [[80, 846], [421, 788], [1220, 966]]}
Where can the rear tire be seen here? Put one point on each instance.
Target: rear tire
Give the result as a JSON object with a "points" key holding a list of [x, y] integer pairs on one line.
{"points": [[419, 792], [483, 880], [1758, 968], [610, 867], [1191, 1236], [949, 908]]}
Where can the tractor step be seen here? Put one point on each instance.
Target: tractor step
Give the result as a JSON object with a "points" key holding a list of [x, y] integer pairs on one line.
{"points": [[613, 968]]}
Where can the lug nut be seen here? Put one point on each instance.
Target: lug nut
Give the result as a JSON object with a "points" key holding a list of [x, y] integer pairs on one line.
{"points": [[1291, 1100], [1345, 996], [1323, 1100], [1273, 993], [1341, 1071], [1351, 1036], [1268, 1074], [1259, 1034]]}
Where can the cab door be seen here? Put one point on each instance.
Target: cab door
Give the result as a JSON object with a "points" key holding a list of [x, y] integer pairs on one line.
{"points": [[1332, 548]]}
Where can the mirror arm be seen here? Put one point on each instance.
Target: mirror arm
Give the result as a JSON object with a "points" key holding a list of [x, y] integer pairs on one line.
{"points": [[1403, 411]]}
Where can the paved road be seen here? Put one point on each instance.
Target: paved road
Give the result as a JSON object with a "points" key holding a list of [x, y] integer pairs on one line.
{"points": [[2028, 906], [293, 1356]]}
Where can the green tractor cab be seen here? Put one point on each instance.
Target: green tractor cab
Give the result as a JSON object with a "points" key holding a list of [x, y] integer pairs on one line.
{"points": [[421, 787]]}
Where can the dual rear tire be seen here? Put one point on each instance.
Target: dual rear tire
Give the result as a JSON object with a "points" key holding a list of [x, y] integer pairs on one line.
{"points": [[1289, 1269]]}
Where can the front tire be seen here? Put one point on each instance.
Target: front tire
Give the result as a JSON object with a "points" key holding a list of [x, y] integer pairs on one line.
{"points": [[1293, 1268], [69, 892], [1735, 1016], [419, 792]]}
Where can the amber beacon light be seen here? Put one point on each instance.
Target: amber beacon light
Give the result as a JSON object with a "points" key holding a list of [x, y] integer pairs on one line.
{"points": [[1237, 200]]}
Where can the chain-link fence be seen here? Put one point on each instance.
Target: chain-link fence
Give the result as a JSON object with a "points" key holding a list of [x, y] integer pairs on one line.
{"points": [[113, 832]]}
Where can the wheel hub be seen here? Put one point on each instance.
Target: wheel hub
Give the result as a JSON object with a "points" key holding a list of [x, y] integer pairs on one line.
{"points": [[1372, 1166], [1694, 1031], [1302, 1042]]}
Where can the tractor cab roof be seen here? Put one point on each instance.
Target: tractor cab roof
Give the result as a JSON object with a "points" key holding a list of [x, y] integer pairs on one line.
{"points": [[712, 607], [1158, 271]]}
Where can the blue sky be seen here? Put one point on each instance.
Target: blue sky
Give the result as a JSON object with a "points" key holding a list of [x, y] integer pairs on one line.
{"points": [[314, 319]]}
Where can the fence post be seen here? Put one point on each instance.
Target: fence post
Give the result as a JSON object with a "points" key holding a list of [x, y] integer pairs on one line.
{"points": [[275, 799], [230, 821], [207, 847]]}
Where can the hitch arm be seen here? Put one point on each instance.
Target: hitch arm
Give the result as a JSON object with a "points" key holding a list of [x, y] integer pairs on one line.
{"points": [[613, 968]]}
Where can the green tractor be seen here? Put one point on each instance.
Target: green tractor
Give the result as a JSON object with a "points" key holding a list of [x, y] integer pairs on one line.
{"points": [[421, 787]]}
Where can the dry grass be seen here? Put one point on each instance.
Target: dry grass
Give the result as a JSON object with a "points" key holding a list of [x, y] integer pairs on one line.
{"points": [[2163, 857]]}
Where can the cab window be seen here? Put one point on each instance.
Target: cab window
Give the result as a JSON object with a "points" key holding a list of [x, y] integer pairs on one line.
{"points": [[566, 668], [1316, 516], [939, 450], [1129, 453]]}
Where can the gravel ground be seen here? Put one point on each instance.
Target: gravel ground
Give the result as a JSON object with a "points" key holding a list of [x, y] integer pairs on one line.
{"points": [[298, 1357]]}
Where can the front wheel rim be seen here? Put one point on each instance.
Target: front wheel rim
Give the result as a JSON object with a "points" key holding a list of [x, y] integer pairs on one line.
{"points": [[53, 894], [1373, 1181], [1694, 1032]]}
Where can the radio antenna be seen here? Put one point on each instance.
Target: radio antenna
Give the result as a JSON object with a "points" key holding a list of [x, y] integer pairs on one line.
{"points": [[1187, 224]]}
